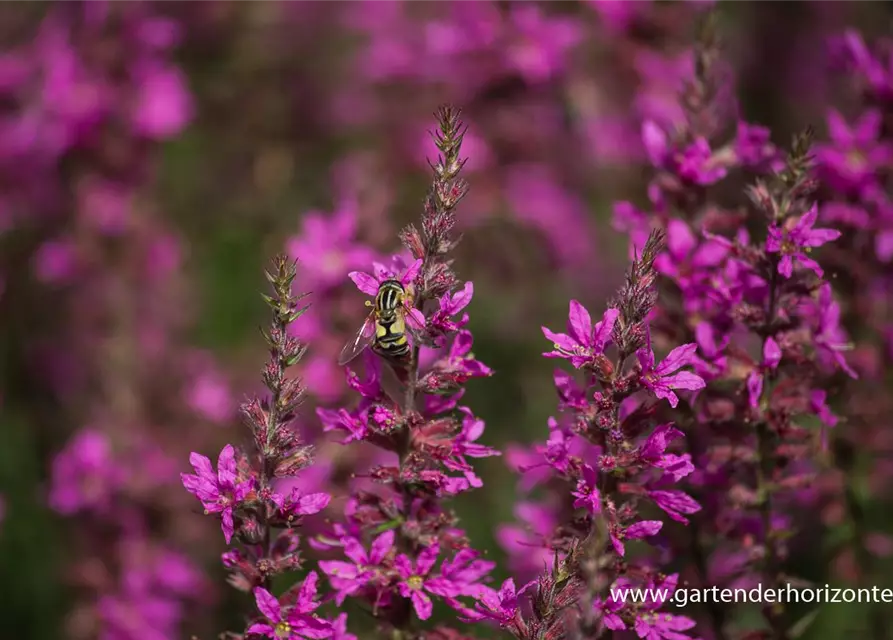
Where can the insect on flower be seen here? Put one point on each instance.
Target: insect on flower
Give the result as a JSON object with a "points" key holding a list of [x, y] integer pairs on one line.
{"points": [[385, 328]]}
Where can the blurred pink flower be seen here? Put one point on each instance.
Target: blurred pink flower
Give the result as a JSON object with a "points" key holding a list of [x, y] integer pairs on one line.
{"points": [[164, 105], [210, 396], [85, 474], [539, 44], [55, 261], [327, 248]]}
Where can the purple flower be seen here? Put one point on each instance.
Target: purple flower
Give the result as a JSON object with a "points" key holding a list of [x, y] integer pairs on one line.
{"points": [[355, 424], [416, 581], [753, 146], [540, 50], [450, 305], [686, 260], [654, 452], [339, 629], [293, 622], [794, 242], [348, 578], [637, 531], [464, 444], [500, 606], [830, 338], [662, 379], [460, 360], [369, 285], [219, 492], [710, 363], [164, 106], [609, 609], [695, 164], [652, 624], [675, 503], [85, 474], [587, 494], [327, 246], [582, 342], [298, 504], [854, 155], [465, 571], [771, 358]]}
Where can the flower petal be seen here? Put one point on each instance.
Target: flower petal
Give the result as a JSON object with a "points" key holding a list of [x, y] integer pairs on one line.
{"points": [[267, 604], [365, 283]]}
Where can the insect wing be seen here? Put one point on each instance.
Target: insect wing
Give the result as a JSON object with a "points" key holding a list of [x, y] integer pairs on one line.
{"points": [[359, 342]]}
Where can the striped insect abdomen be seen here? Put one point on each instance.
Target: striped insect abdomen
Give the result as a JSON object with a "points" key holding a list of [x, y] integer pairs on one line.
{"points": [[390, 295], [390, 329]]}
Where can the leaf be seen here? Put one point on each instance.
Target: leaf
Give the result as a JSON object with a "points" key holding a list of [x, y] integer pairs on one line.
{"points": [[297, 313], [387, 526]]}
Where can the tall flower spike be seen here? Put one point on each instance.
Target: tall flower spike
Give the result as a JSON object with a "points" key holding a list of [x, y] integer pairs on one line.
{"points": [[608, 459], [404, 523], [244, 489]]}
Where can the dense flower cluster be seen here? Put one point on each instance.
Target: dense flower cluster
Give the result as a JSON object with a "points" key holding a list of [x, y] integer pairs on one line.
{"points": [[409, 406], [722, 414], [765, 333], [605, 459], [86, 102]]}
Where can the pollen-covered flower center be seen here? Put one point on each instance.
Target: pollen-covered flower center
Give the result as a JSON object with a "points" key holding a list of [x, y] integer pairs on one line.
{"points": [[651, 377], [788, 247], [415, 582], [856, 160], [282, 630]]}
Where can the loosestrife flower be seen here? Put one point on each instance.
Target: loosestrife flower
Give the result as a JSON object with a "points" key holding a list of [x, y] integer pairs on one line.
{"points": [[297, 620], [348, 577], [242, 490], [221, 491], [748, 452], [665, 377], [416, 417], [854, 164], [415, 580], [796, 240], [95, 90], [603, 513], [583, 342]]}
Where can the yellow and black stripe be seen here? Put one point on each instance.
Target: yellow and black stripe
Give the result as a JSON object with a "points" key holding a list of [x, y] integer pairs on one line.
{"points": [[390, 339]]}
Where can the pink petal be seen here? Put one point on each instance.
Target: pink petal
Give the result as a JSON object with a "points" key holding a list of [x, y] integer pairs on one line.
{"points": [[422, 605], [411, 272], [312, 503], [365, 283], [267, 604], [579, 322]]}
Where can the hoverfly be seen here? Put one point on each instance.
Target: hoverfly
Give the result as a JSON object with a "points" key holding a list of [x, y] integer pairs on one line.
{"points": [[385, 327]]}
